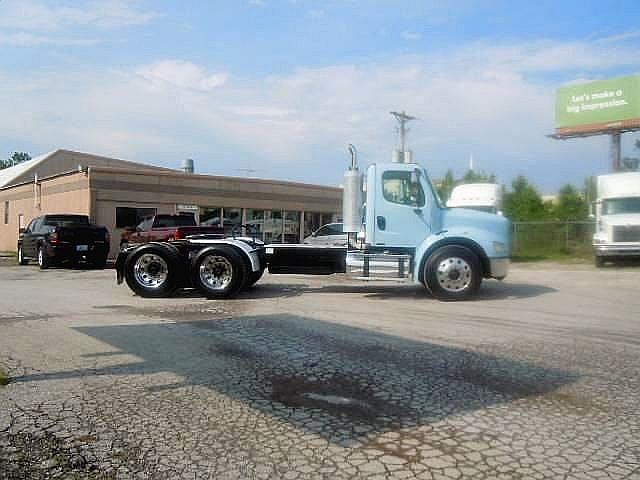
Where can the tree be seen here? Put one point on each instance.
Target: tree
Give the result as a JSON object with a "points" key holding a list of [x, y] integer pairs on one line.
{"points": [[446, 185], [14, 159], [478, 177], [524, 203], [571, 205]]}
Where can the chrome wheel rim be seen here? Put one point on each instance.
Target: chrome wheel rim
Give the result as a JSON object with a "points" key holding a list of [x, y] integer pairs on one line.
{"points": [[216, 272], [20, 255], [151, 270], [40, 257], [454, 274]]}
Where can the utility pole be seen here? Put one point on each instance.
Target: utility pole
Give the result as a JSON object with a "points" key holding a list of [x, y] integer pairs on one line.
{"points": [[614, 151], [402, 119]]}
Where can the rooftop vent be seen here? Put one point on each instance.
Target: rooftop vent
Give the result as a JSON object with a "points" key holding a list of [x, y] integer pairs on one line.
{"points": [[187, 165]]}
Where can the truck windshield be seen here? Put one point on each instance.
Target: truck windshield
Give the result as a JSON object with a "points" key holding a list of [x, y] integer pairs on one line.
{"points": [[66, 221], [614, 206]]}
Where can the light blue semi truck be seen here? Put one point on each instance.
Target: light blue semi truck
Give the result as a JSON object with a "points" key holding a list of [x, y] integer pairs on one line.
{"points": [[398, 229]]}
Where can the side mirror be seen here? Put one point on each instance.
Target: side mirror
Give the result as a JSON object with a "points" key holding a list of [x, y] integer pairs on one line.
{"points": [[22, 231]]}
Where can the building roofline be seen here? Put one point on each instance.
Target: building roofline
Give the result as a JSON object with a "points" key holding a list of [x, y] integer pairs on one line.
{"points": [[43, 179], [179, 174]]}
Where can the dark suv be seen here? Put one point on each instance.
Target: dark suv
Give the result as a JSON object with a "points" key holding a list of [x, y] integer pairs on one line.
{"points": [[56, 239]]}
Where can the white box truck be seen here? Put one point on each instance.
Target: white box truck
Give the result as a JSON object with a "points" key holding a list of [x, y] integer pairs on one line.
{"points": [[486, 197], [617, 215]]}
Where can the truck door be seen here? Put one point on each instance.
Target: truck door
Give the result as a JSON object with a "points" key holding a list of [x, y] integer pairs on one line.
{"points": [[401, 210]]}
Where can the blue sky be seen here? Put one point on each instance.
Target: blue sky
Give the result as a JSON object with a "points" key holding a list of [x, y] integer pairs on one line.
{"points": [[281, 86]]}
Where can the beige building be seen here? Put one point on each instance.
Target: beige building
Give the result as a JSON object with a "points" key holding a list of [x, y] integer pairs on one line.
{"points": [[119, 194]]}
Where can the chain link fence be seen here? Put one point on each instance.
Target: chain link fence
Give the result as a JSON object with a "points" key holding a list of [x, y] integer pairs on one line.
{"points": [[548, 239]]}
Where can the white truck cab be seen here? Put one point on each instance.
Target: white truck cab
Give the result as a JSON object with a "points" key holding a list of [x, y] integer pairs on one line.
{"points": [[617, 215], [485, 197]]}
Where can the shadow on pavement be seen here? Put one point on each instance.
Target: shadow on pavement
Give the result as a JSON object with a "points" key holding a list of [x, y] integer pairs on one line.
{"points": [[490, 290], [339, 382]]}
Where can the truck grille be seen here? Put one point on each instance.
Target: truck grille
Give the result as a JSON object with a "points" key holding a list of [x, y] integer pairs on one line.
{"points": [[625, 233]]}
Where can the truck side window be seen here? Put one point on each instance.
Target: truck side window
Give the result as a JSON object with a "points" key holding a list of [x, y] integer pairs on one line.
{"points": [[397, 187]]}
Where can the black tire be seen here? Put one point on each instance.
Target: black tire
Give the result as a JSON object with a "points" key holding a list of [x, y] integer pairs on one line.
{"points": [[218, 272], [453, 273], [152, 271], [252, 278], [598, 261], [44, 261], [21, 259]]}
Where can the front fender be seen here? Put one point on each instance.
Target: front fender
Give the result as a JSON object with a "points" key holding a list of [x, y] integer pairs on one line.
{"points": [[434, 242]]}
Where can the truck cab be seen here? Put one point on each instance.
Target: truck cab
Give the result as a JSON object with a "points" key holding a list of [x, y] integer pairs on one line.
{"points": [[405, 235], [617, 215], [485, 197]]}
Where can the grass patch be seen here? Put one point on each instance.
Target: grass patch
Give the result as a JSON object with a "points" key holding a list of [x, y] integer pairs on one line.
{"points": [[8, 254], [553, 257]]}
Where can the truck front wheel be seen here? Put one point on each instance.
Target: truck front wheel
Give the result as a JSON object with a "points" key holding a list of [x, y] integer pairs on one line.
{"points": [[151, 271], [218, 272], [598, 261], [453, 273]]}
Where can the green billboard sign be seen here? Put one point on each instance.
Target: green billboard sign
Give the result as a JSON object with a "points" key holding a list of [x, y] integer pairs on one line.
{"points": [[600, 106]]}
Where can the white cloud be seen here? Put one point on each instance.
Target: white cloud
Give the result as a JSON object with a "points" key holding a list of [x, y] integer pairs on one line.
{"points": [[478, 99], [181, 74], [34, 15], [24, 39], [411, 36]]}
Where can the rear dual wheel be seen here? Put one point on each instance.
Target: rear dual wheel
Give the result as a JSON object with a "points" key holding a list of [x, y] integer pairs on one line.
{"points": [[152, 271], [219, 272]]}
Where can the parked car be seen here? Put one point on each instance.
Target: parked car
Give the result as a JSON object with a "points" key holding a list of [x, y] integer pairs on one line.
{"points": [[165, 228], [329, 234], [57, 239]]}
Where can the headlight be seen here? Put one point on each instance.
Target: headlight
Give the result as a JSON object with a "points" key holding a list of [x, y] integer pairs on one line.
{"points": [[500, 248]]}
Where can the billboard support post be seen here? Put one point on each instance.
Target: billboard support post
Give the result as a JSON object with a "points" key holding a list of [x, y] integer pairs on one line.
{"points": [[614, 151]]}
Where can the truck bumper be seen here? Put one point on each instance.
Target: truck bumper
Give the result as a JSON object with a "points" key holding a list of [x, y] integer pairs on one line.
{"points": [[617, 249], [499, 267]]}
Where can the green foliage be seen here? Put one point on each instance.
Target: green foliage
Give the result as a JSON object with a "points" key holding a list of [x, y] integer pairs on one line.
{"points": [[524, 203], [447, 184], [14, 159], [478, 177], [571, 205]]}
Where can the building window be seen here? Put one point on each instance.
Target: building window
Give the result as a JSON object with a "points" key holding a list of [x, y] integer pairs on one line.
{"points": [[210, 216], [130, 217], [255, 223], [6, 213], [273, 226], [232, 220], [292, 227], [312, 222]]}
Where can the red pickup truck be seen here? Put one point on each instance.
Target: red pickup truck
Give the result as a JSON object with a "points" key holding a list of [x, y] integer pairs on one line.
{"points": [[164, 228]]}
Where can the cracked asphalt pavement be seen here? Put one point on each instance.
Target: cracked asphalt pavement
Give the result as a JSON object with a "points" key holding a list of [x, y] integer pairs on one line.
{"points": [[316, 377]]}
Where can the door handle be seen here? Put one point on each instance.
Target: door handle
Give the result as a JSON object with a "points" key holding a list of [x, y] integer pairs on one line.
{"points": [[382, 222]]}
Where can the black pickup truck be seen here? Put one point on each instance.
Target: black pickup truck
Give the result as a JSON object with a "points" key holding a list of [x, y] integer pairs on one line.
{"points": [[56, 239]]}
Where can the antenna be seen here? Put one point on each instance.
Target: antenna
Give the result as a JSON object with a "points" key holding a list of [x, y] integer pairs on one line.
{"points": [[402, 119]]}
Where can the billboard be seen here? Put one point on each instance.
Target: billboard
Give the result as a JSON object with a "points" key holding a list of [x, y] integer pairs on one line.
{"points": [[598, 107]]}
